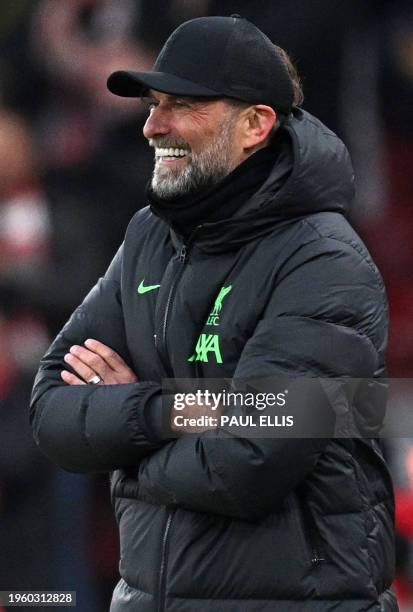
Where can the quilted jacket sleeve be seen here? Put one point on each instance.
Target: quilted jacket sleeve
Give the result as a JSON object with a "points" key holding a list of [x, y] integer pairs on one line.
{"points": [[87, 427], [327, 318]]}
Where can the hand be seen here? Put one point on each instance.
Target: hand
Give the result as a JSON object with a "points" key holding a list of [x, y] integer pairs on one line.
{"points": [[95, 359]]}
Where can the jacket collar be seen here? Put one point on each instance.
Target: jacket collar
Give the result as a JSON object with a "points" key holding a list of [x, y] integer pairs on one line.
{"points": [[314, 174]]}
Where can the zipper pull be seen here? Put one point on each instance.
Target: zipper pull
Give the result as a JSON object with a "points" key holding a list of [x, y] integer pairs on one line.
{"points": [[182, 254]]}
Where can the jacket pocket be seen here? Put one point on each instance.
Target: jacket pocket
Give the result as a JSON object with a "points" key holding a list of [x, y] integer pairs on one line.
{"points": [[307, 531]]}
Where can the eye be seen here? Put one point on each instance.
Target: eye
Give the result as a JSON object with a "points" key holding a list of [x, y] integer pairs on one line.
{"points": [[149, 103], [182, 103]]}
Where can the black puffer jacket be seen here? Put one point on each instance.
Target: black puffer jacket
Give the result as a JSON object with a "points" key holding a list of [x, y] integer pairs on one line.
{"points": [[236, 525]]}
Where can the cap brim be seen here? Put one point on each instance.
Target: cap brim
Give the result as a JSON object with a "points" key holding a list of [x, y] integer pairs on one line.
{"points": [[132, 84]]}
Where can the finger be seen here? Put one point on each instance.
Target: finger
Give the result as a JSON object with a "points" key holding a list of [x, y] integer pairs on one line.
{"points": [[92, 360], [111, 357], [79, 367], [70, 378]]}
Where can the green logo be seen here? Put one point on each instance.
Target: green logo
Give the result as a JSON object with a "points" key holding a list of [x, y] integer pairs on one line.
{"points": [[207, 343], [143, 289], [213, 318]]}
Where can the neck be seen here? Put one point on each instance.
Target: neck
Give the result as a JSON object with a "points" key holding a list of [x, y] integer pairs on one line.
{"points": [[216, 202]]}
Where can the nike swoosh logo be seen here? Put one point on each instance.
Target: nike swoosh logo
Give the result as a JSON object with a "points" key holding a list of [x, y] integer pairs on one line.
{"points": [[143, 289]]}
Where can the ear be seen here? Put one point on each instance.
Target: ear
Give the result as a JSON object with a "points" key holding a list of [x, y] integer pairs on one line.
{"points": [[257, 125]]}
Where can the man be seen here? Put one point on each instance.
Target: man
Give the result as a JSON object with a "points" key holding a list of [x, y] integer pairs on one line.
{"points": [[244, 267]]}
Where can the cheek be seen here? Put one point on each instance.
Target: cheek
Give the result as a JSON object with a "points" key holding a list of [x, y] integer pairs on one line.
{"points": [[199, 139], [197, 129]]}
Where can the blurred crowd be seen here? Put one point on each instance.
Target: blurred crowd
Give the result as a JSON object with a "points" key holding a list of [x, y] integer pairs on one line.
{"points": [[73, 166]]}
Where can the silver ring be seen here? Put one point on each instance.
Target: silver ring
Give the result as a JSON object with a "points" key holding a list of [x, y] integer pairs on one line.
{"points": [[95, 380]]}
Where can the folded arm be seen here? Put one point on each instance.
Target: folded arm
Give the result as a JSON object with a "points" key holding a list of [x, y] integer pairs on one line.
{"points": [[92, 427]]}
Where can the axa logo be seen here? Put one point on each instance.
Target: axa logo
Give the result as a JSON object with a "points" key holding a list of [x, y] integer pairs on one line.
{"points": [[208, 344]]}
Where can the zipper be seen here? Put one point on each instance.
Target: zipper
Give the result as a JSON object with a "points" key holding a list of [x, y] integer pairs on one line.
{"points": [[310, 534], [182, 254], [164, 559], [316, 558], [182, 259], [160, 339], [307, 526]]}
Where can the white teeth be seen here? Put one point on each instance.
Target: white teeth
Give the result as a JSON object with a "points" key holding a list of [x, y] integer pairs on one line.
{"points": [[170, 152]]}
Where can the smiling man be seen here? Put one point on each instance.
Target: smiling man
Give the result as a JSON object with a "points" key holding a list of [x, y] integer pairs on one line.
{"points": [[203, 150], [242, 266], [198, 142]]}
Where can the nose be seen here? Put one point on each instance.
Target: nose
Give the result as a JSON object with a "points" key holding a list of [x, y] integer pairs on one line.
{"points": [[157, 123]]}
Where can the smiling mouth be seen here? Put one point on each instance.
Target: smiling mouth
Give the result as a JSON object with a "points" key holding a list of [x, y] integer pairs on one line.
{"points": [[170, 153]]}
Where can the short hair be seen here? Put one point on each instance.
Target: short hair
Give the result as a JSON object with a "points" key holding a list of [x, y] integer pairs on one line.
{"points": [[298, 98]]}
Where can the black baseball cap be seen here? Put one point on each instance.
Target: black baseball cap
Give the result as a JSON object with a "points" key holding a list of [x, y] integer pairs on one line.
{"points": [[214, 57]]}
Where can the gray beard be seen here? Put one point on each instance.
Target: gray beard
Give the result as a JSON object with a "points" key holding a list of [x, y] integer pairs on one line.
{"points": [[202, 170]]}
